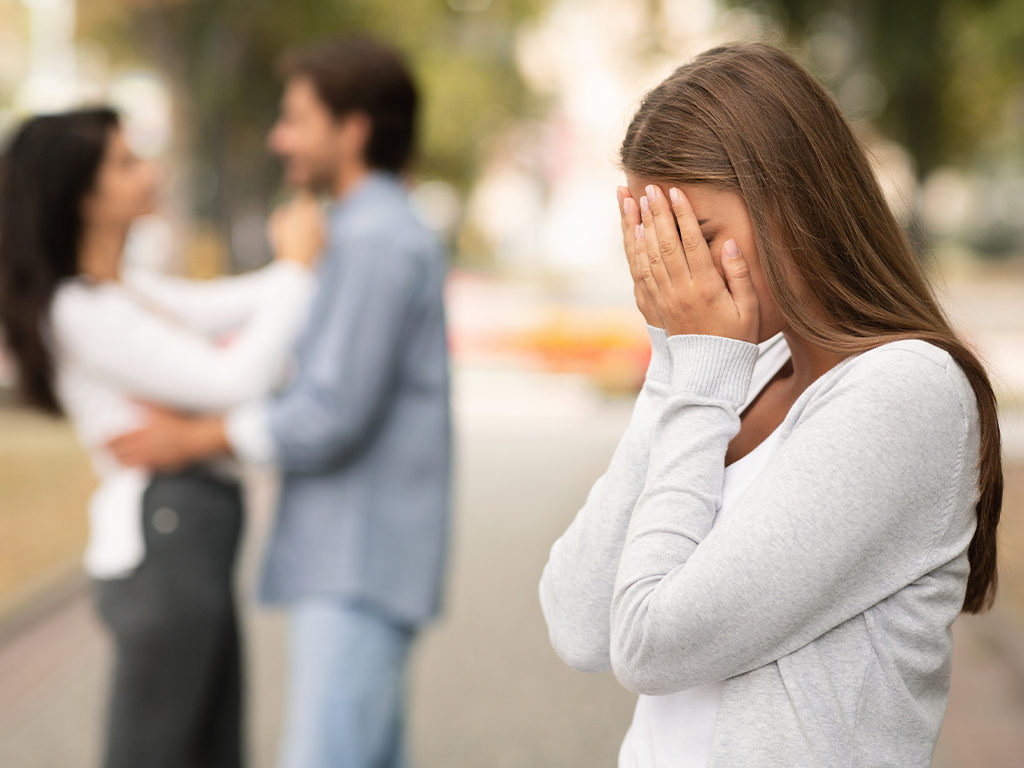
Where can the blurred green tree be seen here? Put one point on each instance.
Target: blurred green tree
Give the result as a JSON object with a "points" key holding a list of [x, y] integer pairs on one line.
{"points": [[220, 56], [953, 70]]}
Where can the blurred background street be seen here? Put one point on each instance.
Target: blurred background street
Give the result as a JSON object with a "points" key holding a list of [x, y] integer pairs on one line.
{"points": [[525, 101]]}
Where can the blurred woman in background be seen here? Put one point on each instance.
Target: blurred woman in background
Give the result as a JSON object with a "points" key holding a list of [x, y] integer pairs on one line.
{"points": [[808, 492], [93, 340]]}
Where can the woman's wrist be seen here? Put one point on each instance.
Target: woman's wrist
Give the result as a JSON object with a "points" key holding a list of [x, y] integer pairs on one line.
{"points": [[292, 259], [712, 367]]}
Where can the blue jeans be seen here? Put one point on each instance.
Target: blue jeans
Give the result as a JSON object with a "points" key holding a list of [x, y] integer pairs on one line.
{"points": [[346, 689]]}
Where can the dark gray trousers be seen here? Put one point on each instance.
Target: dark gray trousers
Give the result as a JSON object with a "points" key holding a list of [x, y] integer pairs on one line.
{"points": [[176, 695]]}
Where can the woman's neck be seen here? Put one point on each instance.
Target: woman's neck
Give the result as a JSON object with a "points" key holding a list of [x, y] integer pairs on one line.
{"points": [[99, 253], [771, 405], [809, 361]]}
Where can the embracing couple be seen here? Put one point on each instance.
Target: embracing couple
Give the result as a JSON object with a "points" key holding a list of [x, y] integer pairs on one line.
{"points": [[330, 363]]}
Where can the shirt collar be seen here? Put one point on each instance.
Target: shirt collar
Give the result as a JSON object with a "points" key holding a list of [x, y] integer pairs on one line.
{"points": [[366, 189]]}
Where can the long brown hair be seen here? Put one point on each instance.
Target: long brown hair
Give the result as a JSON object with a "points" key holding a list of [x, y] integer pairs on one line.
{"points": [[749, 118], [45, 173]]}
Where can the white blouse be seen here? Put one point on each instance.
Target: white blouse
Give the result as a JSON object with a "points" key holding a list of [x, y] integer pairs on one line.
{"points": [[197, 346], [675, 731]]}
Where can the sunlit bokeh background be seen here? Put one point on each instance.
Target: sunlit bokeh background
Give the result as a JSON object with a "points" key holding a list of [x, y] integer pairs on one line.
{"points": [[524, 104]]}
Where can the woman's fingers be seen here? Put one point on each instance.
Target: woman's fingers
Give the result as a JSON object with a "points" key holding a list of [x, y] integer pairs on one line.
{"points": [[741, 287], [629, 216], [643, 263], [676, 283], [664, 254], [695, 248], [630, 219], [298, 230]]}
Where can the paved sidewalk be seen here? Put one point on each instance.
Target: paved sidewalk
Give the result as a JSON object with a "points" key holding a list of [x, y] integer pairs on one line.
{"points": [[984, 725]]}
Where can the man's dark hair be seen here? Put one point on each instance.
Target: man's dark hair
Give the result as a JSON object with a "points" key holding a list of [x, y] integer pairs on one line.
{"points": [[358, 74]]}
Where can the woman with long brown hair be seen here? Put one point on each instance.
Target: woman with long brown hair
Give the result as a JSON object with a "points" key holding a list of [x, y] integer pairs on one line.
{"points": [[808, 491]]}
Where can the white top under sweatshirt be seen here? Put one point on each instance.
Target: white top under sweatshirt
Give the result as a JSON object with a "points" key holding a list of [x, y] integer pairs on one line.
{"points": [[154, 338], [824, 599]]}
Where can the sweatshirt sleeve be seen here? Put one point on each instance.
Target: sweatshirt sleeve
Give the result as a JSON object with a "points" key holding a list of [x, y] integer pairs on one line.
{"points": [[576, 586], [211, 306], [858, 502], [345, 379], [149, 357]]}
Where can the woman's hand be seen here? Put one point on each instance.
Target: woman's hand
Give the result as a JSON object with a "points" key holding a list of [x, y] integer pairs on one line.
{"points": [[629, 212], [680, 275], [296, 230]]}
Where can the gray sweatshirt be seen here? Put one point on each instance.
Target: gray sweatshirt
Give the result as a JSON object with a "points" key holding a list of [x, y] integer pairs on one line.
{"points": [[824, 600]]}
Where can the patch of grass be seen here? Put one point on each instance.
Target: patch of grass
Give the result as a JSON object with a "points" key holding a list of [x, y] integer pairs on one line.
{"points": [[45, 482]]}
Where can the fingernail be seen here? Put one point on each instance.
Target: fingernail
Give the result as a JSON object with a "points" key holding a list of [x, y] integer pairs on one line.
{"points": [[651, 190], [674, 194], [638, 232], [644, 205], [731, 249], [618, 194]]}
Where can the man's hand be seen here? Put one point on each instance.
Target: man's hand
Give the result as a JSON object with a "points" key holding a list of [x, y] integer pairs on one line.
{"points": [[170, 440]]}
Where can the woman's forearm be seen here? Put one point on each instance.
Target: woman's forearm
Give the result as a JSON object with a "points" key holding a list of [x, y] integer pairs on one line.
{"points": [[578, 580]]}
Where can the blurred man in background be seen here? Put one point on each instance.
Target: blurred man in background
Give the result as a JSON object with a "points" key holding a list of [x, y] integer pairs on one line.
{"points": [[362, 433]]}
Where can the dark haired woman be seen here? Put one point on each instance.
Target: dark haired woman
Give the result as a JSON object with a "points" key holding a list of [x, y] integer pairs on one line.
{"points": [[777, 552], [92, 341]]}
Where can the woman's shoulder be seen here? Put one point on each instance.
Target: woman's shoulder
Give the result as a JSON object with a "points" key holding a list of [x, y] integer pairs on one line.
{"points": [[387, 230], [83, 309], [907, 353], [904, 377], [914, 362]]}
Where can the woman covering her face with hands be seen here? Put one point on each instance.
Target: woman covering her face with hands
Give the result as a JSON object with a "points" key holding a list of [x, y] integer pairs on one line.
{"points": [[808, 491]]}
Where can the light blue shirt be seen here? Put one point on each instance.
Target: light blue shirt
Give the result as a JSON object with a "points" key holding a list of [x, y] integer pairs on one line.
{"points": [[363, 433]]}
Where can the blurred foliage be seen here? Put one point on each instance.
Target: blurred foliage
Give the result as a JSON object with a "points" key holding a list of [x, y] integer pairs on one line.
{"points": [[220, 56], [953, 70]]}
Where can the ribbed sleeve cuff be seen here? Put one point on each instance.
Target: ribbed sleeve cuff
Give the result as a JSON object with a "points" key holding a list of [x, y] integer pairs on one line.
{"points": [[247, 428], [660, 368], [712, 366]]}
